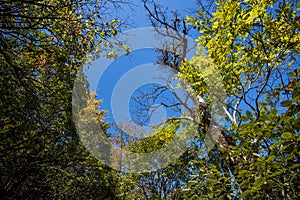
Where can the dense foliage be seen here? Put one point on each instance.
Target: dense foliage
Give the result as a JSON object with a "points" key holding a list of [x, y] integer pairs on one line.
{"points": [[253, 46], [43, 44]]}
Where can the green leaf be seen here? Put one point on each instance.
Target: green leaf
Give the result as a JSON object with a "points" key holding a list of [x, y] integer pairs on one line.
{"points": [[249, 114], [277, 173], [243, 118], [245, 193], [259, 182], [287, 135], [286, 103], [295, 166], [243, 173]]}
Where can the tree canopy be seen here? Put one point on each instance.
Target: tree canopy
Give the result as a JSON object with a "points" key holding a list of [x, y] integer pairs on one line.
{"points": [[43, 45], [252, 47]]}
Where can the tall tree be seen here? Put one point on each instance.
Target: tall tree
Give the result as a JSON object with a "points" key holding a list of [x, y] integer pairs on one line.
{"points": [[254, 46], [43, 46], [254, 59]]}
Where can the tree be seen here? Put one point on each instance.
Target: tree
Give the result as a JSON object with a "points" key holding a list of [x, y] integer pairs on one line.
{"points": [[257, 153], [257, 64], [161, 183], [43, 46]]}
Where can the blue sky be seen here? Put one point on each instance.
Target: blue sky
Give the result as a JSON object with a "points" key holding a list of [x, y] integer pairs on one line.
{"points": [[105, 75], [139, 15]]}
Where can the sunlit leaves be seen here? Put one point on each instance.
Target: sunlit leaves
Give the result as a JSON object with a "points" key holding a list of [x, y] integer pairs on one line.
{"points": [[255, 47], [43, 45]]}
